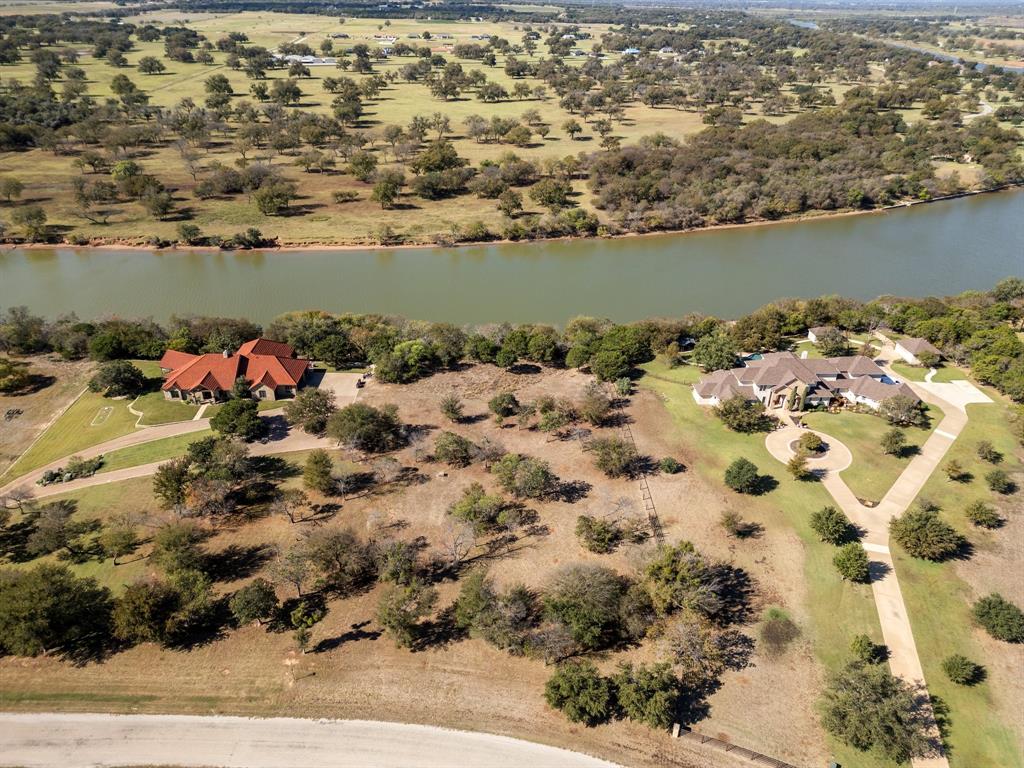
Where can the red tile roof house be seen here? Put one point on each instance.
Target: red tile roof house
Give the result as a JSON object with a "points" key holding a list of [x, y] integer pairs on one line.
{"points": [[774, 378], [270, 368]]}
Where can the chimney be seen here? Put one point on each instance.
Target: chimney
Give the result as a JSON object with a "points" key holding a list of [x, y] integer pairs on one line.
{"points": [[226, 353]]}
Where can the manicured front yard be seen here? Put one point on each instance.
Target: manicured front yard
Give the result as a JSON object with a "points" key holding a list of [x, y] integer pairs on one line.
{"points": [[156, 409], [839, 610], [146, 453], [943, 374], [873, 472]]}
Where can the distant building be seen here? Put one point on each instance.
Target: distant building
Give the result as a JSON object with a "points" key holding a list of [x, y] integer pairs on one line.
{"points": [[911, 348], [779, 379], [270, 369]]}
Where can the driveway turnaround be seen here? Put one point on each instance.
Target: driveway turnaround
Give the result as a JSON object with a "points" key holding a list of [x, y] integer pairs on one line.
{"points": [[62, 740]]}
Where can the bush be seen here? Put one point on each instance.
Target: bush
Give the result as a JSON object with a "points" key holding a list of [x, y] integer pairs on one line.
{"points": [[579, 691], [742, 415], [982, 515], [852, 562], [831, 525], [670, 466], [647, 694], [742, 476], [585, 600], [613, 455], [451, 408], [997, 480], [797, 467], [962, 670], [894, 442], [987, 452], [525, 477], [256, 601], [922, 533], [454, 450], [504, 405], [240, 417], [1001, 619], [598, 536], [866, 650], [317, 473], [477, 508], [810, 443], [117, 378], [365, 428]]}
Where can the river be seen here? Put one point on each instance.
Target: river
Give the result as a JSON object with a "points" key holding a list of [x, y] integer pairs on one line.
{"points": [[940, 248]]}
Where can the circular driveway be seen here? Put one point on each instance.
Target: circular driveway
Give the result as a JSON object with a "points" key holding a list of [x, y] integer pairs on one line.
{"points": [[836, 458]]}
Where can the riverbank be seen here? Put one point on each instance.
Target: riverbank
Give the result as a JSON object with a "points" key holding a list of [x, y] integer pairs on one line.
{"points": [[141, 244]]}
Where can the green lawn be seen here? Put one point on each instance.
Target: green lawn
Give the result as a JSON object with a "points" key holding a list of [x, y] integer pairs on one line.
{"points": [[92, 419], [146, 453], [872, 472], [943, 374], [264, 405], [839, 610]]}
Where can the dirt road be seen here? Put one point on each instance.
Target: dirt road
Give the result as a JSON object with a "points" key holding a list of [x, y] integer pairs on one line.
{"points": [[62, 740]]}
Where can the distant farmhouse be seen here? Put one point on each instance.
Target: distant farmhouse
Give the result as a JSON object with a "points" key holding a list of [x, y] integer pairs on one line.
{"points": [[914, 350], [269, 368], [781, 379]]}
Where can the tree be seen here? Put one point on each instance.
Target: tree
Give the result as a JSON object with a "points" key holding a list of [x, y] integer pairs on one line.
{"points": [[894, 442], [922, 533], [741, 475], [797, 467], [14, 375], [585, 600], [240, 417], [10, 188], [317, 473], [572, 129], [118, 378], [454, 450], [579, 691], [510, 203], [48, 609], [310, 409], [387, 188], [852, 562], [525, 477], [596, 535], [343, 561], [831, 525], [401, 608], [868, 708], [256, 601], [551, 193], [176, 547], [151, 65], [742, 415], [170, 482], [832, 342], [987, 452], [997, 480], [273, 197], [365, 428], [1000, 618], [962, 670], [503, 405], [118, 539], [904, 411], [610, 365], [647, 694], [31, 219], [866, 650], [477, 508], [714, 352]]}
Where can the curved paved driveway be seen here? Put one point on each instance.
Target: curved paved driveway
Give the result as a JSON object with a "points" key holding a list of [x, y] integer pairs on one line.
{"points": [[60, 740]]}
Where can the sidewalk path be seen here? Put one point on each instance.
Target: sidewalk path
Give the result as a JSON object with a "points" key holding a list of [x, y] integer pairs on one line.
{"points": [[59, 740], [874, 522]]}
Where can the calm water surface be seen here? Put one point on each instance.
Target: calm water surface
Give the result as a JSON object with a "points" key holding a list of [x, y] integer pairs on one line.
{"points": [[941, 248]]}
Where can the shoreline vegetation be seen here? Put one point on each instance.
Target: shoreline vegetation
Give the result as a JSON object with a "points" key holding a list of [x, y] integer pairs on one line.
{"points": [[321, 245]]}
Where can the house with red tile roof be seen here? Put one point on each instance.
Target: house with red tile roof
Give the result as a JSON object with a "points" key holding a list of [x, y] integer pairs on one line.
{"points": [[269, 368]]}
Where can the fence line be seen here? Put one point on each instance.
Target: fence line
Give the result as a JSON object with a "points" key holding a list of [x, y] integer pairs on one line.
{"points": [[749, 755], [645, 494]]}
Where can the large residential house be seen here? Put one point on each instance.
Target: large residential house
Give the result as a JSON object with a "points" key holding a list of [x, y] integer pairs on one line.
{"points": [[270, 368], [911, 348], [781, 379]]}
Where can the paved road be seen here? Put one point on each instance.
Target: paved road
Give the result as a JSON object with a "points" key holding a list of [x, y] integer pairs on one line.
{"points": [[874, 521], [70, 740]]}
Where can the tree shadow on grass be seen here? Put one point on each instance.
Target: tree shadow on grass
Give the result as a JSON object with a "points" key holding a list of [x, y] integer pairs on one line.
{"points": [[354, 634], [236, 562]]}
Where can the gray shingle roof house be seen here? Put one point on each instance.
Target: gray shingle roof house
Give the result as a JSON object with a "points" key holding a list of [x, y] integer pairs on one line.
{"points": [[813, 334], [911, 348], [772, 378]]}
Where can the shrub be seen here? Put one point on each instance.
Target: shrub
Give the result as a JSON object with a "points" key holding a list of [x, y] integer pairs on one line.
{"points": [[613, 455], [954, 471], [742, 415], [831, 525], [598, 536], [922, 533], [866, 650], [982, 515], [454, 450], [987, 452], [778, 630], [852, 562], [797, 467], [504, 405], [585, 599], [998, 481], [670, 466], [525, 477], [647, 694], [256, 601], [742, 476], [451, 408], [477, 508], [810, 443], [317, 473], [240, 417], [962, 670], [579, 691], [117, 378], [1001, 619]]}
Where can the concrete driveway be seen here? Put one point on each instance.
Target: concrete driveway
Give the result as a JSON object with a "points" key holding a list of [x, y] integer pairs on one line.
{"points": [[60, 740], [343, 385]]}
